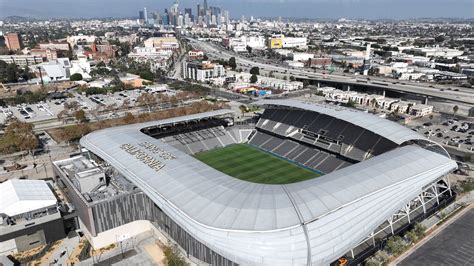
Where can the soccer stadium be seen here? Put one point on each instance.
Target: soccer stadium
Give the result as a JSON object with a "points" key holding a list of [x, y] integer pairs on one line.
{"points": [[304, 184]]}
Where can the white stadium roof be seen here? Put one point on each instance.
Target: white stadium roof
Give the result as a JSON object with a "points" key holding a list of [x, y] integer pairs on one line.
{"points": [[380, 126], [311, 221], [21, 196]]}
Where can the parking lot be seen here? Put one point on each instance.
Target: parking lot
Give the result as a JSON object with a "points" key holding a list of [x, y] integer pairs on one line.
{"points": [[451, 132], [50, 109], [453, 246]]}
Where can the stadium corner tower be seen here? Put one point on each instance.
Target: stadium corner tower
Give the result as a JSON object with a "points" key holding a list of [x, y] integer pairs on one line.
{"points": [[373, 178]]}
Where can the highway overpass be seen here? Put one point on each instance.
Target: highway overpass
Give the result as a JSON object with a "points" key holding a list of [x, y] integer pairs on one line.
{"points": [[445, 93]]}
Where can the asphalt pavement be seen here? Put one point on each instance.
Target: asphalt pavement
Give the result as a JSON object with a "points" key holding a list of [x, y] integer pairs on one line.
{"points": [[452, 246]]}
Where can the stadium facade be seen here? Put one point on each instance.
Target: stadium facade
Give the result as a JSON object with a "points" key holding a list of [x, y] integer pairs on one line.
{"points": [[378, 176]]}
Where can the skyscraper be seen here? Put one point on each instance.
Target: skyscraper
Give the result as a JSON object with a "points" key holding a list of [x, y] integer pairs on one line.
{"points": [[166, 18], [225, 14], [189, 11], [205, 7], [175, 8], [145, 15]]}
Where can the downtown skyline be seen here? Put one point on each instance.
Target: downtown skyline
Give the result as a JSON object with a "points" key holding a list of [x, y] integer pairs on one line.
{"points": [[311, 9]]}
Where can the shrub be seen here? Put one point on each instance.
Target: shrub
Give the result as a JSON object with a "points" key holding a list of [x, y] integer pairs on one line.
{"points": [[173, 256], [76, 77]]}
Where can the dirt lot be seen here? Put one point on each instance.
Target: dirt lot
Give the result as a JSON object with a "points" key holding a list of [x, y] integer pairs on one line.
{"points": [[11, 89]]}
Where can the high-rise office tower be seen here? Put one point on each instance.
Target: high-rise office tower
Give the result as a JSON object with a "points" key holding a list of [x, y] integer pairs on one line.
{"points": [[205, 6], [166, 18], [145, 15], [175, 8], [225, 14], [189, 12]]}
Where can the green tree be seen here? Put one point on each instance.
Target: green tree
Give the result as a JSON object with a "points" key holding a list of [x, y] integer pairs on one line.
{"points": [[255, 71], [76, 77], [351, 103], [146, 74], [80, 116], [412, 236], [249, 49], [18, 136], [253, 78], [419, 230], [9, 73], [439, 39], [232, 63], [455, 110], [101, 64], [395, 245]]}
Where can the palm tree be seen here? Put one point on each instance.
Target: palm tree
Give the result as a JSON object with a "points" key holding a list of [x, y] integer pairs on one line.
{"points": [[455, 110]]}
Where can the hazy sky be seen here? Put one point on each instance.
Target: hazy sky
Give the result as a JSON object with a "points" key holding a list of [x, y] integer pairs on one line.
{"points": [[370, 9]]}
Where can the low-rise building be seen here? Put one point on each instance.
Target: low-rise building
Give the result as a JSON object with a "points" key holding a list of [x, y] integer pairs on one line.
{"points": [[281, 41], [29, 216], [22, 60], [162, 43], [202, 71], [239, 44], [80, 39], [62, 46], [196, 55], [319, 62], [108, 210], [301, 56], [47, 54], [436, 52], [401, 107], [266, 82], [57, 70], [421, 110]]}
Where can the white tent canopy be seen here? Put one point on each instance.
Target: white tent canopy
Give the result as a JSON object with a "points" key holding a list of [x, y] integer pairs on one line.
{"points": [[22, 196]]}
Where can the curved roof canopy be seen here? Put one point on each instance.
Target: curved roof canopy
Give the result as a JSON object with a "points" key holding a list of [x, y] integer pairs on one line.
{"points": [[217, 200], [313, 221], [380, 126]]}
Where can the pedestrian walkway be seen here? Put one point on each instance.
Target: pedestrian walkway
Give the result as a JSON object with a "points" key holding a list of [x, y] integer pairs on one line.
{"points": [[446, 212], [62, 253]]}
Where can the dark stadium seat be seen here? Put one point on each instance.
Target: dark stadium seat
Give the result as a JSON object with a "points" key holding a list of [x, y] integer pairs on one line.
{"points": [[294, 153], [284, 148]]}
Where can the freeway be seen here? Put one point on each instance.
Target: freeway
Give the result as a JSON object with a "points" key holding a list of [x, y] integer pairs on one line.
{"points": [[457, 94]]}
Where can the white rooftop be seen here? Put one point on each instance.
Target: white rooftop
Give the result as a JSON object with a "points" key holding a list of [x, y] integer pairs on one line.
{"points": [[21, 196], [255, 224]]}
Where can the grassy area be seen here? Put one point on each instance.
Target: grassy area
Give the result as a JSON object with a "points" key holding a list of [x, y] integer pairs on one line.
{"points": [[251, 164]]}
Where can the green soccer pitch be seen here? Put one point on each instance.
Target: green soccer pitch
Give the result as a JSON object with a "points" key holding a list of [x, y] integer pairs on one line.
{"points": [[248, 163]]}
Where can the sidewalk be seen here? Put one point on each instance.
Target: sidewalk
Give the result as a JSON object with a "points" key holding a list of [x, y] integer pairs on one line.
{"points": [[66, 246]]}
